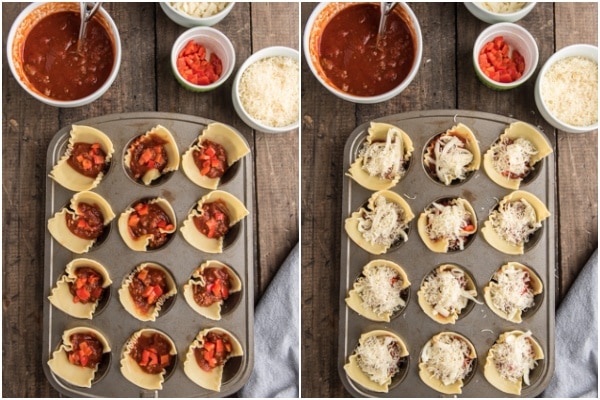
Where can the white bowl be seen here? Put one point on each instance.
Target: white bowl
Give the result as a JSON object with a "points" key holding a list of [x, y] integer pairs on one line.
{"points": [[518, 38], [492, 17], [583, 50], [215, 42], [320, 16], [250, 120], [188, 21], [17, 35]]}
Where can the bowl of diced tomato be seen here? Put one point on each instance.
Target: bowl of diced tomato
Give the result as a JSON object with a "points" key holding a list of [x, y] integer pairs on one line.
{"points": [[202, 59], [505, 55]]}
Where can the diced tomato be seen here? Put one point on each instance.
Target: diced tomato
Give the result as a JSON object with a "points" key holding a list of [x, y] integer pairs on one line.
{"points": [[165, 359], [497, 62], [83, 294], [195, 68], [133, 220]]}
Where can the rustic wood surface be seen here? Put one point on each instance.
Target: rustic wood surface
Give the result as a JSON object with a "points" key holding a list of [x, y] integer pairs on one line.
{"points": [[144, 83], [446, 80]]}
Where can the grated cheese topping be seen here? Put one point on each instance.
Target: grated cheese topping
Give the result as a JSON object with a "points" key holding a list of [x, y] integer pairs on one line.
{"points": [[505, 7], [569, 88], [512, 291], [515, 222], [449, 221], [384, 225], [378, 357], [269, 90], [514, 358], [447, 358], [385, 160], [449, 158], [199, 9], [446, 291], [512, 158], [380, 288]]}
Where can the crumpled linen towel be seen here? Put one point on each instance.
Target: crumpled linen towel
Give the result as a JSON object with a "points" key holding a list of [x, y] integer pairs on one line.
{"points": [[576, 366], [276, 370]]}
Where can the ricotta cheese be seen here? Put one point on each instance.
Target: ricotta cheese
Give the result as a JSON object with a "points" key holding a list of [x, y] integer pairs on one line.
{"points": [[503, 7]]}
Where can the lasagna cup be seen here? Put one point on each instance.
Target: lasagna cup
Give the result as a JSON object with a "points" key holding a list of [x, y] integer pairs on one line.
{"points": [[382, 224], [208, 355], [210, 287], [148, 356], [151, 155], [86, 160], [379, 359], [83, 223], [445, 293], [83, 353], [384, 158], [212, 156], [83, 286], [213, 218], [512, 158], [380, 292], [451, 156], [510, 361], [447, 225], [514, 221], [148, 224], [512, 291], [147, 290], [447, 360]]}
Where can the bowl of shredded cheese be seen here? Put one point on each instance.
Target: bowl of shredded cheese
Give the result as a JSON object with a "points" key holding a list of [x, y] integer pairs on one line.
{"points": [[494, 12], [196, 13], [566, 89], [266, 90]]}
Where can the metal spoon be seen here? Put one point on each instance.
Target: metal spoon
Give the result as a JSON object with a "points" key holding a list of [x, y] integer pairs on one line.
{"points": [[386, 8], [86, 15]]}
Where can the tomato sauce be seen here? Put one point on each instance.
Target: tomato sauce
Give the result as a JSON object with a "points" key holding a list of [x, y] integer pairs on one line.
{"points": [[87, 158], [351, 59], [147, 287], [216, 351], [215, 289], [87, 350], [89, 223], [213, 222], [211, 159], [87, 288], [147, 152], [152, 353], [150, 219], [55, 67]]}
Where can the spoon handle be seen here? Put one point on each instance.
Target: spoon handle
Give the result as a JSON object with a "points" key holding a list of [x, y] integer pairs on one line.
{"points": [[386, 8], [86, 16]]}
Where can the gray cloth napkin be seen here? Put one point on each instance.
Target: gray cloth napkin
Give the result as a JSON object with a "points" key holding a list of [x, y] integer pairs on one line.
{"points": [[576, 366], [276, 336]]}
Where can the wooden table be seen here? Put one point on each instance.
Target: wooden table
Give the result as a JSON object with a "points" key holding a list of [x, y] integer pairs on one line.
{"points": [[446, 80], [144, 83]]}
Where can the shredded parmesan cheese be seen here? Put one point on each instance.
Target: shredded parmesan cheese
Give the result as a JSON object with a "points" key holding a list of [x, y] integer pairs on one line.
{"points": [[380, 289], [269, 90], [379, 357], [514, 358], [505, 7], [452, 221], [198, 9], [446, 291], [569, 88], [512, 291], [384, 225], [385, 160], [515, 222], [447, 358], [513, 158], [449, 158]]}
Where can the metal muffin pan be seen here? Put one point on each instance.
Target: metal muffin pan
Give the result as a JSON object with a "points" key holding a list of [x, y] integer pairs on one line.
{"points": [[478, 323], [179, 321]]}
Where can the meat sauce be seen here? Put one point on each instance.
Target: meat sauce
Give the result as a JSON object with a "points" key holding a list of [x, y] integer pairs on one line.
{"points": [[89, 223], [146, 288], [216, 350], [216, 288], [87, 288], [54, 66], [211, 159], [86, 350], [150, 219], [147, 152], [213, 221], [152, 353], [88, 159], [351, 59]]}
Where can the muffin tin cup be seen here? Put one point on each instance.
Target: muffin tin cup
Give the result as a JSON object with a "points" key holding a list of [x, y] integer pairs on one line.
{"points": [[480, 325], [181, 323]]}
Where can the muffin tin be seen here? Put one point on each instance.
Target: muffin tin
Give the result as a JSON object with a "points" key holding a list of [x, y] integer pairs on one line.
{"points": [[178, 320], [477, 322]]}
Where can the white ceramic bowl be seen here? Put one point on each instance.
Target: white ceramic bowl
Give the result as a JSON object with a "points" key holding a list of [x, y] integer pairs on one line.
{"points": [[188, 21], [583, 50], [518, 38], [250, 120], [17, 35], [320, 16], [215, 42], [492, 17]]}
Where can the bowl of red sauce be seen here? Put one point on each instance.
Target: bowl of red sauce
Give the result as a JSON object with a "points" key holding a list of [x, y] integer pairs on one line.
{"points": [[340, 46], [45, 59]]}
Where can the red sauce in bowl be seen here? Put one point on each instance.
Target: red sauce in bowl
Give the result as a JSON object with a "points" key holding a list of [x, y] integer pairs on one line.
{"points": [[52, 63], [350, 58]]}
